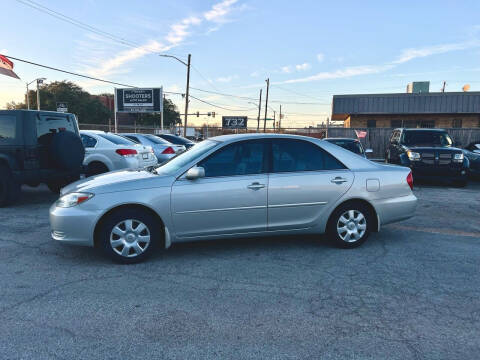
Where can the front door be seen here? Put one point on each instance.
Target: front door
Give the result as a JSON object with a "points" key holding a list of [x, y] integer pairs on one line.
{"points": [[230, 199], [303, 181]]}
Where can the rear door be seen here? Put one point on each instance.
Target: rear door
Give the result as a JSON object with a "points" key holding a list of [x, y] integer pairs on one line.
{"points": [[303, 181]]}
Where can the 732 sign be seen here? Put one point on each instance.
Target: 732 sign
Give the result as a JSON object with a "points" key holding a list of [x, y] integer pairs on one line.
{"points": [[234, 122]]}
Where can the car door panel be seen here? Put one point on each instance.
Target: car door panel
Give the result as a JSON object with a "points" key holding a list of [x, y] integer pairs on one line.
{"points": [[298, 199], [215, 206]]}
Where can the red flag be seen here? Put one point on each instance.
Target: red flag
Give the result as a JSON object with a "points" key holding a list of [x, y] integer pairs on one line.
{"points": [[361, 134], [6, 67]]}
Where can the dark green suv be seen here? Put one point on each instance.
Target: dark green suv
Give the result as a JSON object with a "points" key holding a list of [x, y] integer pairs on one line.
{"points": [[38, 147]]}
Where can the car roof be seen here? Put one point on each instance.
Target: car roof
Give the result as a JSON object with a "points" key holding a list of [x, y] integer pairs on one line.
{"points": [[236, 137], [421, 129], [341, 139]]}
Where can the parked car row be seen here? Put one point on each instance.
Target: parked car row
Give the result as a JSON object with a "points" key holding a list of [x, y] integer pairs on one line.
{"points": [[47, 147]]}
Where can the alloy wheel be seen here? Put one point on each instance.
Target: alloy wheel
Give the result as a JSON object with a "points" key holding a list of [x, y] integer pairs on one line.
{"points": [[351, 226], [130, 238]]}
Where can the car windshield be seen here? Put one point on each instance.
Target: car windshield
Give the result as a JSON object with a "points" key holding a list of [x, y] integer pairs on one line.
{"points": [[156, 140], [427, 138], [353, 146], [117, 139], [179, 161], [175, 139]]}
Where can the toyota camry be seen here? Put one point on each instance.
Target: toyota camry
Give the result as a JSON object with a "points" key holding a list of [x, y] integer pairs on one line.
{"points": [[235, 186]]}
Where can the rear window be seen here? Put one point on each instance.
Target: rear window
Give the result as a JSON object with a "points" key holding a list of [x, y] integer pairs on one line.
{"points": [[116, 139], [353, 146], [54, 124], [178, 140], [156, 139], [7, 127]]}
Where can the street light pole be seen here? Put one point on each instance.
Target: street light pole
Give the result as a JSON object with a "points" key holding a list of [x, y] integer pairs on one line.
{"points": [[38, 95], [28, 98], [259, 109], [186, 96], [266, 107]]}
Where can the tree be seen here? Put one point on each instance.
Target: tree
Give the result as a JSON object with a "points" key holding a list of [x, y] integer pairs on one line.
{"points": [[170, 116]]}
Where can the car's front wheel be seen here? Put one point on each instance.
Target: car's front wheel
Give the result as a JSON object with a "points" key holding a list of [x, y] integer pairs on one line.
{"points": [[350, 225], [129, 235]]}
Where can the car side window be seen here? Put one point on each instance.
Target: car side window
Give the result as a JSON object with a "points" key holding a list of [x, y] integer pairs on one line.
{"points": [[133, 138], [7, 127], [290, 155], [88, 141], [240, 158]]}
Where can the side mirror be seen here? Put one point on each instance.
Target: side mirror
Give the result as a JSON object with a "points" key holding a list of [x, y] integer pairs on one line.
{"points": [[195, 172], [368, 151]]}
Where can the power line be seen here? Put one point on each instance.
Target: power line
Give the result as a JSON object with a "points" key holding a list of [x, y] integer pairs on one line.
{"points": [[223, 94], [80, 75], [220, 106]]}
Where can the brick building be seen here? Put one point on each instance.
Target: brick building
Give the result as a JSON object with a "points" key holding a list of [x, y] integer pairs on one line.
{"points": [[441, 110]]}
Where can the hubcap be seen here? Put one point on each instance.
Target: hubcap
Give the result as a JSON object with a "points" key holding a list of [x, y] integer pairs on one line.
{"points": [[351, 226], [130, 238]]}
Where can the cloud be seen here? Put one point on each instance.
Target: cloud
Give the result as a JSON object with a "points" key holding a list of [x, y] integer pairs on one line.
{"points": [[219, 11], [404, 57], [410, 54], [342, 73], [286, 69], [226, 79], [179, 31], [320, 57], [302, 67], [177, 34]]}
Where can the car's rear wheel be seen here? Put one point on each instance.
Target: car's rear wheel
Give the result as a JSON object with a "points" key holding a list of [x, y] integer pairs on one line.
{"points": [[9, 189], [96, 168], [350, 225], [129, 235]]}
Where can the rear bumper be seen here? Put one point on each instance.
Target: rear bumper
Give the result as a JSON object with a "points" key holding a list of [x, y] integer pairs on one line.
{"points": [[395, 209]]}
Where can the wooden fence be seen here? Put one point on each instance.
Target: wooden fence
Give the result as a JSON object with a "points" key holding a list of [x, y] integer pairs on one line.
{"points": [[376, 138]]}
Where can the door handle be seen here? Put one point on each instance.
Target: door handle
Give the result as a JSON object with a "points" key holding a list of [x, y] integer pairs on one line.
{"points": [[338, 180], [256, 186]]}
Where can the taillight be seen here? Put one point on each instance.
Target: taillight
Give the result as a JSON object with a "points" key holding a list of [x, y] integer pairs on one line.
{"points": [[126, 152], [410, 180], [168, 150]]}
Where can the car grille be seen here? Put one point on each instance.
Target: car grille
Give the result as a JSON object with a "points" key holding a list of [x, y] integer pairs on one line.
{"points": [[436, 158], [428, 158], [445, 159]]}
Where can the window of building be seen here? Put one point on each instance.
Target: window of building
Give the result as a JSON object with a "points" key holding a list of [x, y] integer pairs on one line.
{"points": [[457, 123], [371, 123], [396, 123], [298, 155], [428, 124]]}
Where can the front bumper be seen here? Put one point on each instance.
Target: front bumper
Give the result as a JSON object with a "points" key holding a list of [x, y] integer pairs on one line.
{"points": [[73, 225]]}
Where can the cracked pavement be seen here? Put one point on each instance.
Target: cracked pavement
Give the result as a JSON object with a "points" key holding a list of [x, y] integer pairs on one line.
{"points": [[411, 291]]}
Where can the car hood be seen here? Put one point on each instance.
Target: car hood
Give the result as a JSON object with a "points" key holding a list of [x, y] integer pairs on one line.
{"points": [[443, 149], [122, 180]]}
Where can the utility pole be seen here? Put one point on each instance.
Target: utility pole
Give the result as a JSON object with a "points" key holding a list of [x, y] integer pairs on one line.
{"points": [[266, 107], [38, 95], [443, 87], [259, 109], [186, 96], [280, 119]]}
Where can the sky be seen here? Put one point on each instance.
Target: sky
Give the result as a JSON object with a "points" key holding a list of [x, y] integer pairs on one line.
{"points": [[310, 50]]}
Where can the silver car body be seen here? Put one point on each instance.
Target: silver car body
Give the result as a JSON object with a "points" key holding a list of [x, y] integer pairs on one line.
{"points": [[238, 206], [104, 151], [158, 145]]}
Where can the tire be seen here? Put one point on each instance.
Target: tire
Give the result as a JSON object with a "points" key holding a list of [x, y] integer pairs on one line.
{"points": [[9, 189], [66, 150], [129, 236], [353, 218], [96, 168]]}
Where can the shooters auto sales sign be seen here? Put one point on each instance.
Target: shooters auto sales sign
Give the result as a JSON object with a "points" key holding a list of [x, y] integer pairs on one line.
{"points": [[139, 100]]}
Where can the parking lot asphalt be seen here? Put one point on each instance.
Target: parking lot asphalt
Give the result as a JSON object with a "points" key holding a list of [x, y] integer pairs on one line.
{"points": [[411, 291]]}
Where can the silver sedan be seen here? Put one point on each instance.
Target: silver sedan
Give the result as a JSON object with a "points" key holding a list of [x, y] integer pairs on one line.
{"points": [[235, 186]]}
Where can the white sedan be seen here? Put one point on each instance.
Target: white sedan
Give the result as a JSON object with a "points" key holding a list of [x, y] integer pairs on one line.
{"points": [[106, 152]]}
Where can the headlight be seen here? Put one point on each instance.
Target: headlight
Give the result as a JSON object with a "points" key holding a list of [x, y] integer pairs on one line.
{"points": [[458, 157], [73, 199], [413, 156]]}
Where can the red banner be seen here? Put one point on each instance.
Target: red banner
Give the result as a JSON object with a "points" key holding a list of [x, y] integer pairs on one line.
{"points": [[360, 134], [6, 67]]}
